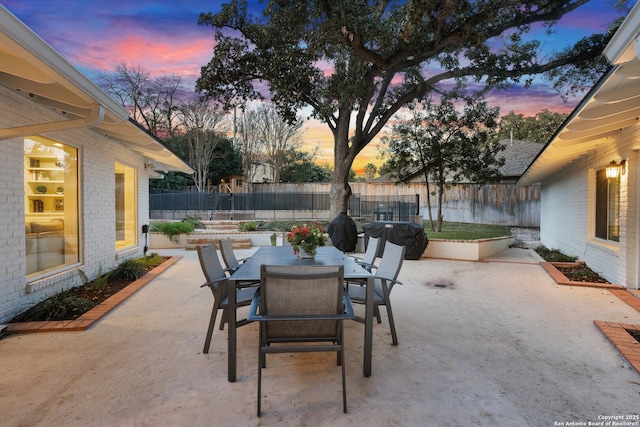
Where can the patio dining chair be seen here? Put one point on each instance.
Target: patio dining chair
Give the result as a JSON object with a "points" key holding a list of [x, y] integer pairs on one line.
{"points": [[229, 256], [368, 260], [384, 278], [216, 281], [301, 309]]}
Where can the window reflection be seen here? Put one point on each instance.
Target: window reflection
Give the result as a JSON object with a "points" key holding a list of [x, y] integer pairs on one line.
{"points": [[607, 207], [51, 204], [125, 184]]}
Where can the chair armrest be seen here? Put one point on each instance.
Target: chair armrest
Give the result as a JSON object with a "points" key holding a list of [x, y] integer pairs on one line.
{"points": [[388, 280], [358, 260], [366, 266], [222, 279]]}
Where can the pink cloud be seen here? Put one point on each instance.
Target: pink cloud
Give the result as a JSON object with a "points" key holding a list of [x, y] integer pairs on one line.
{"points": [[160, 57]]}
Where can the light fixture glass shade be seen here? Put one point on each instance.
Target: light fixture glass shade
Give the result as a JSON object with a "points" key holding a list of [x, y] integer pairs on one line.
{"points": [[613, 170]]}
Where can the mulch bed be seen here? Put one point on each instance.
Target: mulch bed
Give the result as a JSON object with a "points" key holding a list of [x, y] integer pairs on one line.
{"points": [[581, 273], [97, 296], [72, 312]]}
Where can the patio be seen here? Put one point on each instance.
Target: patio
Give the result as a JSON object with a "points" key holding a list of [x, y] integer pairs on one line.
{"points": [[501, 344]]}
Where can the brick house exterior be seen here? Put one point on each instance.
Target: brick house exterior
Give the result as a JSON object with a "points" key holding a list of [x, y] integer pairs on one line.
{"points": [[37, 86], [584, 213]]}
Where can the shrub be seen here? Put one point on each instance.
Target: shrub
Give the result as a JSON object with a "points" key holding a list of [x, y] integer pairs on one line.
{"points": [[56, 306], [553, 255], [196, 222], [173, 229], [129, 269], [152, 260], [97, 283], [248, 226]]}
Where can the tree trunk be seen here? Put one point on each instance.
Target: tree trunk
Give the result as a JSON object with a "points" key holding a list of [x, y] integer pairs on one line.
{"points": [[440, 197], [344, 154], [339, 195], [426, 182]]}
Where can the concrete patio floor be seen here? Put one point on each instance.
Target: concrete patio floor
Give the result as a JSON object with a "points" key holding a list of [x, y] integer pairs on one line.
{"points": [[501, 345]]}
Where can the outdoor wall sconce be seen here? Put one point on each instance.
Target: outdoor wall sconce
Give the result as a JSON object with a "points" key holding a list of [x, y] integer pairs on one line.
{"points": [[614, 170]]}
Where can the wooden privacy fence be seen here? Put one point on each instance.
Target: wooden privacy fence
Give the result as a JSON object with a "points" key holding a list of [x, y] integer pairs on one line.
{"points": [[502, 203]]}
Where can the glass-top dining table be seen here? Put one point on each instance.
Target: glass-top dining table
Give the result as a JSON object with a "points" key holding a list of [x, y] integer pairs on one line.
{"points": [[283, 255]]}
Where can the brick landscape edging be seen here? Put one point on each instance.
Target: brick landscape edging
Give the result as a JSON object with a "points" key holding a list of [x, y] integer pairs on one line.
{"points": [[561, 279], [92, 316], [627, 345]]}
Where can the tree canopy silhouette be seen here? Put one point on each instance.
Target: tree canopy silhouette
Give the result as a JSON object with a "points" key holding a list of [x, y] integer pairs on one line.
{"points": [[356, 62]]}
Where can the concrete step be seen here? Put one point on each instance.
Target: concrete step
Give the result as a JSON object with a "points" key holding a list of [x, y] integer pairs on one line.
{"points": [[226, 226], [237, 242], [220, 225]]}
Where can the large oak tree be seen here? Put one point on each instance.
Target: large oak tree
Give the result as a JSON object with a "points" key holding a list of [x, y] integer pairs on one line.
{"points": [[357, 62]]}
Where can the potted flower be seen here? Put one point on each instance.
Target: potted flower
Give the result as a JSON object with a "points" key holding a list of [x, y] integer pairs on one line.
{"points": [[305, 239]]}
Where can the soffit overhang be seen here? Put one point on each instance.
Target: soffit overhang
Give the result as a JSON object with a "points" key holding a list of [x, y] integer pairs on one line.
{"points": [[610, 107], [32, 68]]}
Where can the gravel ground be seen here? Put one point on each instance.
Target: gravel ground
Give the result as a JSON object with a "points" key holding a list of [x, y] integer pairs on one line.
{"points": [[526, 238]]}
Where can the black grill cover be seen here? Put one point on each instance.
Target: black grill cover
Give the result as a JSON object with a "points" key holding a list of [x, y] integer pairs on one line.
{"points": [[408, 234], [343, 232]]}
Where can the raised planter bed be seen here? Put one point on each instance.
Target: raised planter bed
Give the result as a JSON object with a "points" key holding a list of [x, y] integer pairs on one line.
{"points": [[240, 240], [467, 250], [160, 241]]}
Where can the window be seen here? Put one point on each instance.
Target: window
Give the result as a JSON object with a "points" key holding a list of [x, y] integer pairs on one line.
{"points": [[126, 212], [607, 207], [51, 204]]}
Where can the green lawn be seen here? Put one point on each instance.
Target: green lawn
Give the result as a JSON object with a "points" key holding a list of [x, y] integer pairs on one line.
{"points": [[464, 231]]}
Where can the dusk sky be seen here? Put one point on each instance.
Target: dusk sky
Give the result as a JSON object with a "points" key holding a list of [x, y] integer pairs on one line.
{"points": [[163, 37]]}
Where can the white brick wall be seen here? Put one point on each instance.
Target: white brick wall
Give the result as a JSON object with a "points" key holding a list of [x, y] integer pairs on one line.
{"points": [[97, 157], [567, 211]]}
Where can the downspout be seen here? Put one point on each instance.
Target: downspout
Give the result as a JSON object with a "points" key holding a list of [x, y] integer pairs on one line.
{"points": [[94, 119]]}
